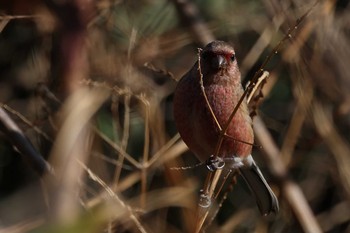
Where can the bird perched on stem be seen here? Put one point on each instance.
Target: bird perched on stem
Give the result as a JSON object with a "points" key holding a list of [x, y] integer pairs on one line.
{"points": [[205, 98]]}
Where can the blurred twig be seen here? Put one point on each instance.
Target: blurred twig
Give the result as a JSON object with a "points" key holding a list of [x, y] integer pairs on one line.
{"points": [[22, 144], [74, 17], [304, 96], [5, 19], [128, 210], [260, 45], [9, 17], [191, 17], [339, 214], [291, 191], [146, 150], [26, 121], [72, 142], [124, 141], [336, 144], [288, 35], [231, 224], [117, 148]]}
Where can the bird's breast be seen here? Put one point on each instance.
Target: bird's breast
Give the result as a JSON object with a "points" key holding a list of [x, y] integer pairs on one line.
{"points": [[200, 129], [223, 100]]}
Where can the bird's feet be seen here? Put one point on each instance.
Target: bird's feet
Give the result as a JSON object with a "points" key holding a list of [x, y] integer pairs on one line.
{"points": [[215, 163]]}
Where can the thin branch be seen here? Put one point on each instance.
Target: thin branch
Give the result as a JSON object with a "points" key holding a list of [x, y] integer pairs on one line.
{"points": [[145, 153], [125, 138]]}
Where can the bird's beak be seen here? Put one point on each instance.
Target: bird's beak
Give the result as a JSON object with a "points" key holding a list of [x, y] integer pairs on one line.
{"points": [[219, 62]]}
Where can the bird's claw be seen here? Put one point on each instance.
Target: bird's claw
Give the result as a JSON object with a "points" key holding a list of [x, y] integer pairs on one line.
{"points": [[215, 163]]}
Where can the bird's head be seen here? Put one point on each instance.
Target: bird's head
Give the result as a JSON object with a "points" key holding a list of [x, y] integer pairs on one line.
{"points": [[218, 55]]}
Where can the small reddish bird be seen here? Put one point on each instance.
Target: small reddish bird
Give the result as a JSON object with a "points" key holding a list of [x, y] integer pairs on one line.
{"points": [[199, 130]]}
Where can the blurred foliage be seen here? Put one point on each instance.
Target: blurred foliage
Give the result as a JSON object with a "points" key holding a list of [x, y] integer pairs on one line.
{"points": [[121, 38]]}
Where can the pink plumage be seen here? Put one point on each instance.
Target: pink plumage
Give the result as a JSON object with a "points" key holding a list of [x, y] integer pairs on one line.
{"points": [[197, 127]]}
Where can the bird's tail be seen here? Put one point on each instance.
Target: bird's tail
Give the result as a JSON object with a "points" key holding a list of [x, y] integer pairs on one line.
{"points": [[265, 198]]}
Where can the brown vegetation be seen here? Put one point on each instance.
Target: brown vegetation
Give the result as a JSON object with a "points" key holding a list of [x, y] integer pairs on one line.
{"points": [[87, 140]]}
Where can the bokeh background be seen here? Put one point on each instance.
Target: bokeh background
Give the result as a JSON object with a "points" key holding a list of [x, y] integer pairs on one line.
{"points": [[90, 85]]}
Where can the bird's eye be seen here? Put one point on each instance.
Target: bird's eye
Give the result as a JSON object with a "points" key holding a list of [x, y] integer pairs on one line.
{"points": [[233, 57]]}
